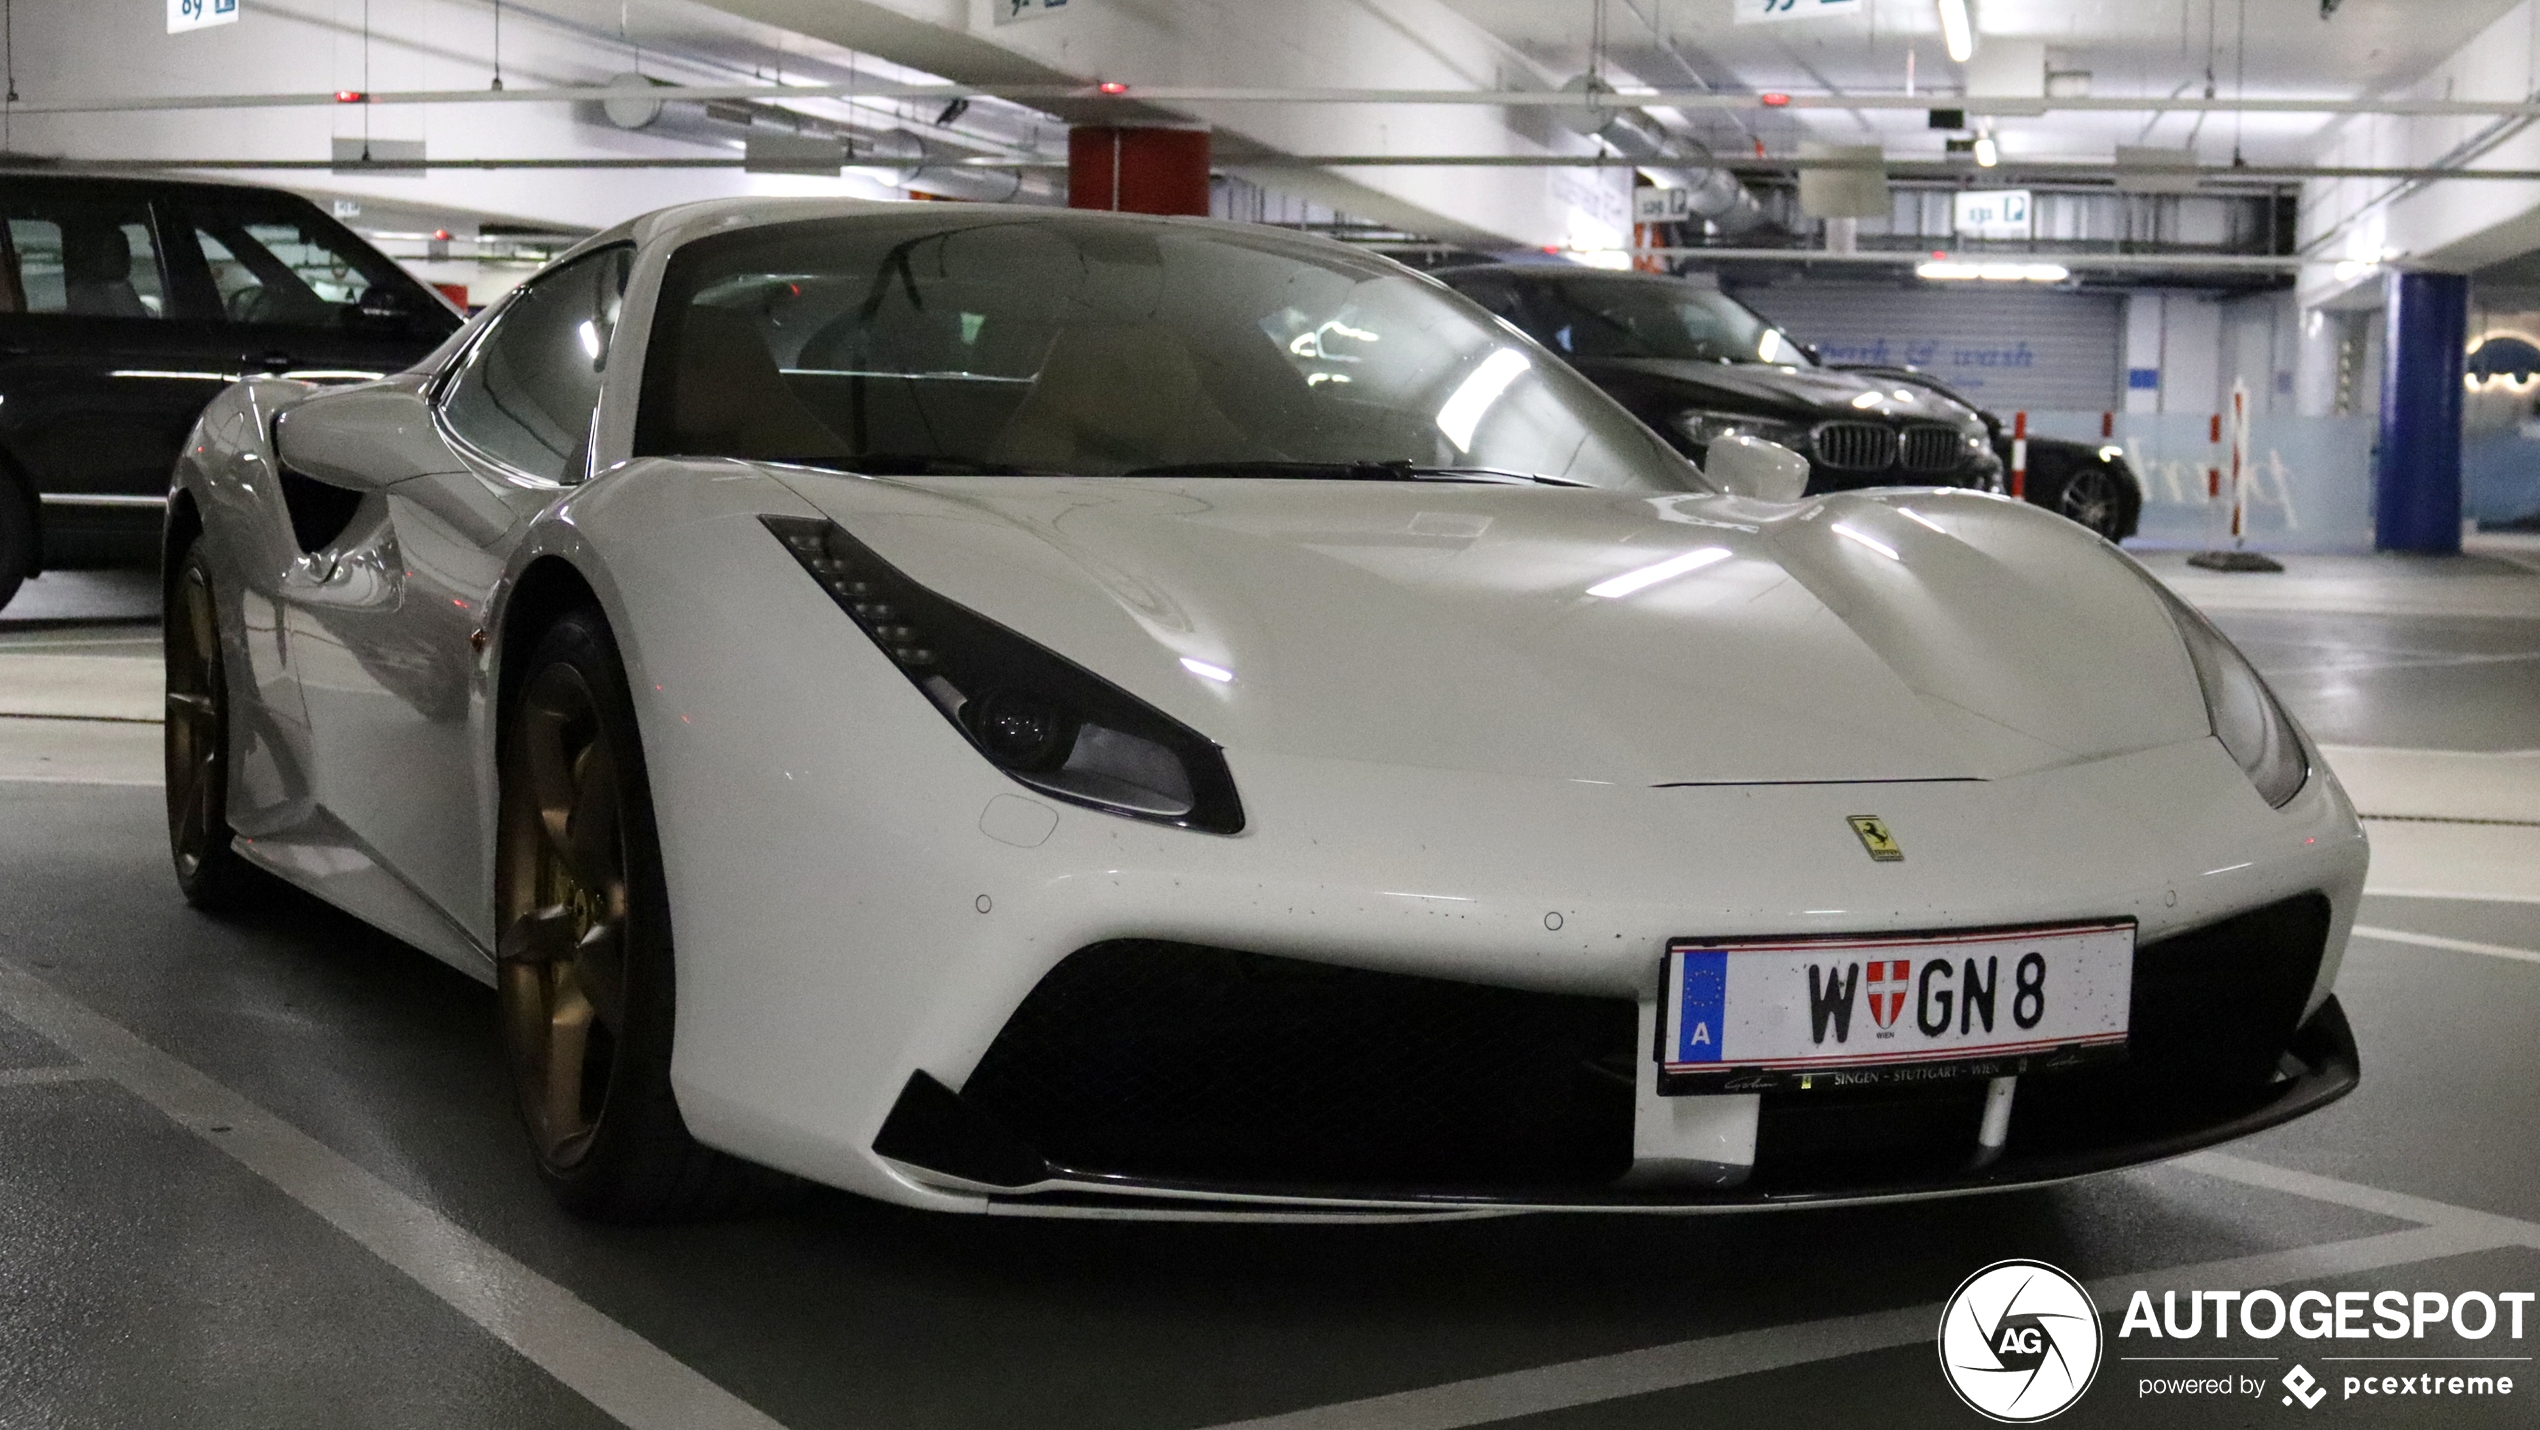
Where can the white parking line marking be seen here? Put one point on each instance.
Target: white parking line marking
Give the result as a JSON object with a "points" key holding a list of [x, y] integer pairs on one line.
{"points": [[2482, 897], [40, 1077], [623, 1374], [2311, 1186], [2456, 945], [2446, 1231]]}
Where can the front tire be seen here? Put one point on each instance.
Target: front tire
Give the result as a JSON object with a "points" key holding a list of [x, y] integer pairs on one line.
{"points": [[584, 969], [195, 737]]}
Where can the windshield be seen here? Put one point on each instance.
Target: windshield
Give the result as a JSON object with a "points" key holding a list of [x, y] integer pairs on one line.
{"points": [[1099, 347], [1594, 317]]}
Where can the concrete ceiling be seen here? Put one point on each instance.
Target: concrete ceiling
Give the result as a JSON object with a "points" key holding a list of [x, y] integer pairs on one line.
{"points": [[2129, 47]]}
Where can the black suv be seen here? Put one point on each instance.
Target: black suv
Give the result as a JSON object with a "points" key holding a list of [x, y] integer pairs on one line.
{"points": [[126, 304], [2090, 483], [1696, 364]]}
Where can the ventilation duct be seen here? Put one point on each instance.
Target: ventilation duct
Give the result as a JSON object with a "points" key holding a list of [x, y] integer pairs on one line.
{"points": [[1713, 193]]}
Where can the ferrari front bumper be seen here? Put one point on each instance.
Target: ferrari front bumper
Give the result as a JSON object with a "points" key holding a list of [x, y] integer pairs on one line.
{"points": [[1130, 1083]]}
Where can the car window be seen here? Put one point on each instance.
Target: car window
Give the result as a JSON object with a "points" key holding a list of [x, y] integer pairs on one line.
{"points": [[274, 268], [529, 387], [1639, 318], [81, 257], [1102, 347]]}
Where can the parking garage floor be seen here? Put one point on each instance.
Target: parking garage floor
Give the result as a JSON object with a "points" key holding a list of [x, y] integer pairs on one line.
{"points": [[263, 1172]]}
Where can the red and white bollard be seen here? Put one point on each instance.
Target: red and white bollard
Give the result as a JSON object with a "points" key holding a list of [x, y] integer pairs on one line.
{"points": [[2213, 470], [2019, 455]]}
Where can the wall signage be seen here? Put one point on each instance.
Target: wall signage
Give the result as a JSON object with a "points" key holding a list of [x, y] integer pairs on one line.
{"points": [[186, 15], [1991, 213], [1764, 12]]}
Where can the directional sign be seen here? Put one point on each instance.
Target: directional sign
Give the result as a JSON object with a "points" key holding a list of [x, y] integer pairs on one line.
{"points": [[1764, 12], [1992, 213], [196, 14]]}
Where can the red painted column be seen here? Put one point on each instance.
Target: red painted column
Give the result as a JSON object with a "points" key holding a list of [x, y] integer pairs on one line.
{"points": [[1138, 170]]}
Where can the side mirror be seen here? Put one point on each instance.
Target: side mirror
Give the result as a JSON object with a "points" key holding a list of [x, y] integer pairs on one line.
{"points": [[1752, 467]]}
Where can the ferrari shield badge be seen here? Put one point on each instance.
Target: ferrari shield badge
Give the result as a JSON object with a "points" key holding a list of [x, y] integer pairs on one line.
{"points": [[1875, 838]]}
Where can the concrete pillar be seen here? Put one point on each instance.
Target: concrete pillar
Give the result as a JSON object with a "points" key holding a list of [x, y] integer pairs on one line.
{"points": [[1138, 170], [2143, 321], [2417, 495]]}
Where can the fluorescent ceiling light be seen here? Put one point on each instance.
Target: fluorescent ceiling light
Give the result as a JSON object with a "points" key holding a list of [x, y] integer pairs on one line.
{"points": [[1666, 570], [1954, 270], [1955, 31], [1988, 153], [1872, 542], [1205, 671], [1464, 410]]}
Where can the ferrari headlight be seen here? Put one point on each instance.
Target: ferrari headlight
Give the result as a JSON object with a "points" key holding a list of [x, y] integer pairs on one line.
{"points": [[2245, 715], [1703, 428], [1043, 719]]}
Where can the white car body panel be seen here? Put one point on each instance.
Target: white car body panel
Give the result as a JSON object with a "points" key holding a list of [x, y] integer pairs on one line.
{"points": [[1453, 760]]}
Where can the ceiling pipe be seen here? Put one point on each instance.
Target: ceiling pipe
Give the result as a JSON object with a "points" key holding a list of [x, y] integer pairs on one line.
{"points": [[1896, 169], [1992, 105]]}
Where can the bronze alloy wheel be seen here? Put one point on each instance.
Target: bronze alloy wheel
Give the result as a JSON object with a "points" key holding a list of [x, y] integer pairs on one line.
{"points": [[2094, 497], [583, 961], [195, 736], [562, 956]]}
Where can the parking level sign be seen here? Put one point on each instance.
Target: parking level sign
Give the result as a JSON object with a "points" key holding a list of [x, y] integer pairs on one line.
{"points": [[196, 14], [1991, 213]]}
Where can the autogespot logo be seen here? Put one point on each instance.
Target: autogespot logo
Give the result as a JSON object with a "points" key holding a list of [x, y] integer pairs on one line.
{"points": [[2019, 1341]]}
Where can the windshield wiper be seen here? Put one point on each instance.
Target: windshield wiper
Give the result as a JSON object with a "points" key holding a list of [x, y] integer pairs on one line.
{"points": [[1399, 470]]}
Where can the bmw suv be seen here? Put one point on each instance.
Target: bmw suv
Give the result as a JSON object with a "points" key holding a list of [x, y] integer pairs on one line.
{"points": [[1696, 365]]}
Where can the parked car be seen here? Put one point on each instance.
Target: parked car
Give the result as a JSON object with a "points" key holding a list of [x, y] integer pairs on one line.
{"points": [[1695, 364], [127, 304], [2090, 482], [1086, 714]]}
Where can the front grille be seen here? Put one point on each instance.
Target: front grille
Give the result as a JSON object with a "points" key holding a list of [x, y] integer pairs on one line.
{"points": [[1932, 448], [1856, 446], [1177, 1062], [2213, 1011]]}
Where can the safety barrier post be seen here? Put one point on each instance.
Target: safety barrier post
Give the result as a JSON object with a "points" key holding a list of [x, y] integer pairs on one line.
{"points": [[2019, 455]]}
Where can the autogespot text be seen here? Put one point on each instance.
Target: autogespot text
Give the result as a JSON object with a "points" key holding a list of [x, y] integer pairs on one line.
{"points": [[2449, 1345]]}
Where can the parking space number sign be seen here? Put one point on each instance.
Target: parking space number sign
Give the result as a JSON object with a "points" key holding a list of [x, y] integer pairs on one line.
{"points": [[196, 14]]}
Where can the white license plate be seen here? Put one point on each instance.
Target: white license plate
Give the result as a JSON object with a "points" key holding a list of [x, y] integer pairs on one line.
{"points": [[1769, 1012]]}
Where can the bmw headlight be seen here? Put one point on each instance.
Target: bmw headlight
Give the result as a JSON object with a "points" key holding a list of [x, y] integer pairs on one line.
{"points": [[1703, 428], [2245, 715], [1043, 719]]}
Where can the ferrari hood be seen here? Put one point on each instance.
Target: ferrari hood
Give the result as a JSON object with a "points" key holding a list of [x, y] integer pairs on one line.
{"points": [[1629, 639]]}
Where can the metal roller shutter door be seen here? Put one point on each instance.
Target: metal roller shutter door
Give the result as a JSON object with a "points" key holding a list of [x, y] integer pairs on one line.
{"points": [[2007, 346]]}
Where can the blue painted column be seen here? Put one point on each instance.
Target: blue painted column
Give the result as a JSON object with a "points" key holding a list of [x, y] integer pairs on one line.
{"points": [[2417, 491]]}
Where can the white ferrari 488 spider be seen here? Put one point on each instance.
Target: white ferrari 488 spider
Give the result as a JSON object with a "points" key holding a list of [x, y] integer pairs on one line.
{"points": [[1009, 709]]}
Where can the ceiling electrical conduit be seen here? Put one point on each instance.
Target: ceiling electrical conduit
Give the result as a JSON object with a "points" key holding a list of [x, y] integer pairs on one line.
{"points": [[2005, 107], [1898, 169]]}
